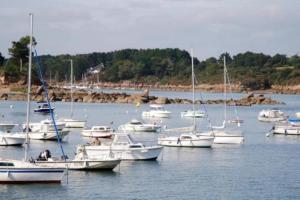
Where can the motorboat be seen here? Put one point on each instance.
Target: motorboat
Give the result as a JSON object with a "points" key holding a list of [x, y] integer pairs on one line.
{"points": [[297, 114], [43, 109], [156, 111], [80, 162], [72, 123], [12, 139], [186, 140], [16, 171], [191, 113], [123, 146], [139, 126], [47, 123], [8, 138], [290, 127], [98, 132], [45, 130], [272, 115]]}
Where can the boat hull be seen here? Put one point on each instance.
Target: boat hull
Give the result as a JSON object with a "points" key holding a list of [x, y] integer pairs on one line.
{"points": [[31, 175], [96, 134], [12, 140], [109, 164], [71, 123], [287, 130], [146, 153], [205, 142], [50, 135], [225, 137]]}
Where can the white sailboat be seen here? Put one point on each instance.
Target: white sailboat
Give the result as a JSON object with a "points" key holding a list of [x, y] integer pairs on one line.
{"points": [[70, 122], [16, 171], [222, 134], [188, 139]]}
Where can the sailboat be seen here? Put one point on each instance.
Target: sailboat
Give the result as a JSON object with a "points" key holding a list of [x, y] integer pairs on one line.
{"points": [[70, 122], [188, 139], [221, 134], [24, 171]]}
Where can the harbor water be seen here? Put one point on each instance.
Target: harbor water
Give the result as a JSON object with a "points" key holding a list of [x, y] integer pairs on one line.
{"points": [[261, 168]]}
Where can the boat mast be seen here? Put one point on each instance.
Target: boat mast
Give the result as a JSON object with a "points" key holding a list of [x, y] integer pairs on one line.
{"points": [[193, 90], [225, 92], [71, 78], [29, 84]]}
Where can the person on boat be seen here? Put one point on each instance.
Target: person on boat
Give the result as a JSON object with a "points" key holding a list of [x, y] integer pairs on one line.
{"points": [[44, 155], [96, 142]]}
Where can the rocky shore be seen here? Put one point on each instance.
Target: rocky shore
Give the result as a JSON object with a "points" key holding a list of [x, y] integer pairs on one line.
{"points": [[60, 94]]}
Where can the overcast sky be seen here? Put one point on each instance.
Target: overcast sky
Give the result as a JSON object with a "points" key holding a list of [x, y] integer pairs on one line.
{"points": [[209, 26]]}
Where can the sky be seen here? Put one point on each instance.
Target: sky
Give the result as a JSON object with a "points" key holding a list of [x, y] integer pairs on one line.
{"points": [[210, 27]]}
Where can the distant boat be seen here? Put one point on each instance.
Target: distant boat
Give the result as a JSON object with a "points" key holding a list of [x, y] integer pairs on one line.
{"points": [[98, 132], [139, 126], [156, 111], [70, 122], [7, 138], [43, 109], [45, 130], [190, 113], [272, 115]]}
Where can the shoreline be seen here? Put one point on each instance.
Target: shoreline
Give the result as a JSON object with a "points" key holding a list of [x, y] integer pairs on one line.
{"points": [[210, 88], [60, 94]]}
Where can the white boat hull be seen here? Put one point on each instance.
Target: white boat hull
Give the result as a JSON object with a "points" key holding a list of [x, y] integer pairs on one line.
{"points": [[31, 175], [73, 123], [197, 114], [107, 164], [287, 130], [8, 139], [203, 142], [225, 137], [145, 153], [271, 119], [50, 135], [96, 134], [156, 114]]}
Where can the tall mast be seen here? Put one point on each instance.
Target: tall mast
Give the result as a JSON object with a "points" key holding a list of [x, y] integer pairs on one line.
{"points": [[193, 90], [71, 78], [225, 92], [29, 84]]}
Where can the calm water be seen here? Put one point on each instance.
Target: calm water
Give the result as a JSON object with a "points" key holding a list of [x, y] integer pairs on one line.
{"points": [[262, 168]]}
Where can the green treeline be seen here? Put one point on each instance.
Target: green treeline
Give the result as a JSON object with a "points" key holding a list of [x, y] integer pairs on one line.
{"points": [[166, 66]]}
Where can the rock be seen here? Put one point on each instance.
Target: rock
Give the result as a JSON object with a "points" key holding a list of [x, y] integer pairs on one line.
{"points": [[4, 96], [39, 90], [162, 100], [250, 95]]}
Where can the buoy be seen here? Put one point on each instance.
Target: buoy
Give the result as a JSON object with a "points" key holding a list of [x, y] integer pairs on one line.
{"points": [[11, 106]]}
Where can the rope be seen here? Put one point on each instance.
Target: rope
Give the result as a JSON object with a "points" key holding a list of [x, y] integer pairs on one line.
{"points": [[38, 62]]}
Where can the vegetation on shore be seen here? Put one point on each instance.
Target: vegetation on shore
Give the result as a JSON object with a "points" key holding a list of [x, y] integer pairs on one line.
{"points": [[164, 66]]}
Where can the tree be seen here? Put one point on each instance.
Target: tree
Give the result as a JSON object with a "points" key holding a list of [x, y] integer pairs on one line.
{"points": [[1, 59], [19, 50]]}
